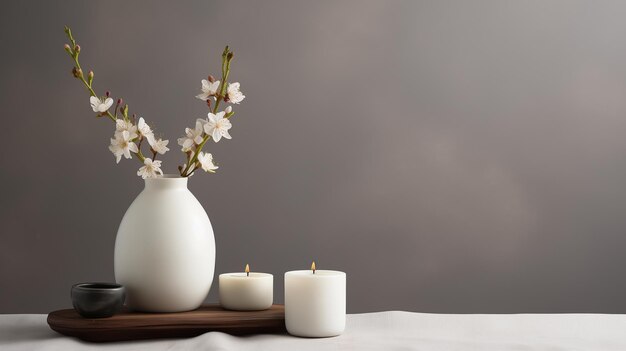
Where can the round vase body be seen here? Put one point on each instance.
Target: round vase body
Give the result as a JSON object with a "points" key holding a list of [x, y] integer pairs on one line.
{"points": [[165, 249]]}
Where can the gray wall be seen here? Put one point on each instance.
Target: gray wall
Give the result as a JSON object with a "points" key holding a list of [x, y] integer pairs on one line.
{"points": [[450, 156]]}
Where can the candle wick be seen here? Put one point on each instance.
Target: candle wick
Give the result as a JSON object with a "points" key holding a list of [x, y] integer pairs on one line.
{"points": [[247, 274]]}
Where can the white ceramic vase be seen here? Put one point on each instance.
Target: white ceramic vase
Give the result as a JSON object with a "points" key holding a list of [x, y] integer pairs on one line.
{"points": [[165, 249]]}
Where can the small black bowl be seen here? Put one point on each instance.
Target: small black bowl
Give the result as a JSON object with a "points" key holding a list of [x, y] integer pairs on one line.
{"points": [[98, 300]]}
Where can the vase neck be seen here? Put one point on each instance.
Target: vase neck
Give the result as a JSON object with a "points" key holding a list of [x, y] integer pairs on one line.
{"points": [[167, 181]]}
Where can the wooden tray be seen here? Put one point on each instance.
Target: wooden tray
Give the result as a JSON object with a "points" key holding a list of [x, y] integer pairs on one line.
{"points": [[136, 326]]}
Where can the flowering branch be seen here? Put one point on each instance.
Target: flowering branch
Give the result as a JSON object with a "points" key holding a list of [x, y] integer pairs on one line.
{"points": [[101, 106], [77, 71], [126, 132], [130, 134], [218, 123], [227, 57]]}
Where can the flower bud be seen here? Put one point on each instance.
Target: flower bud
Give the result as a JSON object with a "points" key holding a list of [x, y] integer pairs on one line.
{"points": [[229, 109], [68, 49], [77, 72], [90, 77], [107, 93], [210, 79], [77, 48], [120, 101], [230, 56]]}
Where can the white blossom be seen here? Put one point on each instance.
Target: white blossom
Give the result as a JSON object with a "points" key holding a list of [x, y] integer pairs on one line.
{"points": [[193, 136], [150, 169], [143, 128], [159, 145], [126, 126], [228, 109], [206, 162], [234, 94], [208, 89], [99, 105], [218, 126], [122, 145]]}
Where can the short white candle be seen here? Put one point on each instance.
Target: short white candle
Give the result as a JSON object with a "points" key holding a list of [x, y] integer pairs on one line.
{"points": [[246, 291], [315, 302]]}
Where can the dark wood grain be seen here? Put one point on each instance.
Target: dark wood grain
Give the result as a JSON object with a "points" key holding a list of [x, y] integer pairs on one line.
{"points": [[129, 325]]}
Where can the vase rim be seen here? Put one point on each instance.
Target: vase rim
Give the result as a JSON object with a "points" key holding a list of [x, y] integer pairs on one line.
{"points": [[169, 176], [167, 181]]}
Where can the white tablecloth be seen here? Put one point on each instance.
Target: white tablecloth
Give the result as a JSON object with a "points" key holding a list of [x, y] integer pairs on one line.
{"points": [[370, 331]]}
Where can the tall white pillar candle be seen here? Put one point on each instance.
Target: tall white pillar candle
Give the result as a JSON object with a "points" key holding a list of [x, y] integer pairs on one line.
{"points": [[246, 291], [315, 302]]}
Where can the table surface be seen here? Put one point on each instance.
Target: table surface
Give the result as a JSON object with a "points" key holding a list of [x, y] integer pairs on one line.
{"points": [[370, 331]]}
